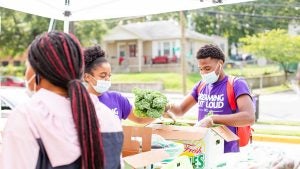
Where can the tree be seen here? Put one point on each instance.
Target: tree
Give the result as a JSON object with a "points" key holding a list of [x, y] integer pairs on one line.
{"points": [[275, 45], [242, 19], [90, 32], [18, 30]]}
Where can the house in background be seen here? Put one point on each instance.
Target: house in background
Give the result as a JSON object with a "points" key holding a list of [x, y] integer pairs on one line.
{"points": [[154, 46]]}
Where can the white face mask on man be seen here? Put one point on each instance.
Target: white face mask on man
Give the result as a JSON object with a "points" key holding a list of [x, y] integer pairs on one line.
{"points": [[28, 91], [211, 77], [101, 85]]}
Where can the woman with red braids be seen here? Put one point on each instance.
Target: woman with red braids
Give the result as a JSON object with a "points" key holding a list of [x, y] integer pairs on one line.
{"points": [[62, 126]]}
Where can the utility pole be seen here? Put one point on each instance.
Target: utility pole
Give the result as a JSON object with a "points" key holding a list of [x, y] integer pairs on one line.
{"points": [[182, 51], [72, 27]]}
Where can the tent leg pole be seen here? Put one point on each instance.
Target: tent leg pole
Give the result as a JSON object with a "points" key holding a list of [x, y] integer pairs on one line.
{"points": [[66, 26], [51, 25]]}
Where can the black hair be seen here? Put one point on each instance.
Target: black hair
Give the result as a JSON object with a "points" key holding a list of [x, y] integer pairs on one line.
{"points": [[57, 57], [212, 51], [94, 56]]}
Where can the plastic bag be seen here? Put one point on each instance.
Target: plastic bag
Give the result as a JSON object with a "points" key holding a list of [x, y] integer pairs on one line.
{"points": [[172, 148]]}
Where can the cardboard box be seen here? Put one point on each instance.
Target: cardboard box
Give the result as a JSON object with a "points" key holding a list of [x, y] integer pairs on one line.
{"points": [[137, 151], [145, 159], [203, 145], [136, 140]]}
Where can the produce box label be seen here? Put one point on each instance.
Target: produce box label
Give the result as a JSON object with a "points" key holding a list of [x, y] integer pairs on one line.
{"points": [[193, 148], [198, 161]]}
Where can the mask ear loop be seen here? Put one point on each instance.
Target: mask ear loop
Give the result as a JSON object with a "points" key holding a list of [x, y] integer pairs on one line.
{"points": [[94, 79], [220, 69], [37, 81]]}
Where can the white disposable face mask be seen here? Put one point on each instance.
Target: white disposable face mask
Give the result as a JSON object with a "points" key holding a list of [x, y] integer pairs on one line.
{"points": [[85, 84], [102, 85], [211, 77], [28, 91]]}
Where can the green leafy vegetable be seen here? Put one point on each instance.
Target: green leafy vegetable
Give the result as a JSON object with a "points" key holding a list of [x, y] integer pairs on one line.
{"points": [[149, 103], [176, 123]]}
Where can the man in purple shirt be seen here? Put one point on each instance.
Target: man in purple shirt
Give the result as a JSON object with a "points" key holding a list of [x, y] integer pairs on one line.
{"points": [[213, 96]]}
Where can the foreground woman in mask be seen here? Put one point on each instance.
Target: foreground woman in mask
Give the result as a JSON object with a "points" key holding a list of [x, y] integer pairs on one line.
{"points": [[61, 126], [97, 76]]}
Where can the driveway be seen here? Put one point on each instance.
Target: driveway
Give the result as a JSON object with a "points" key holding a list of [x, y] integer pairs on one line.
{"points": [[282, 106]]}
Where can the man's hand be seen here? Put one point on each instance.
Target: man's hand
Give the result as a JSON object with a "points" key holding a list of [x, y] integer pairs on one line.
{"points": [[206, 122], [169, 114]]}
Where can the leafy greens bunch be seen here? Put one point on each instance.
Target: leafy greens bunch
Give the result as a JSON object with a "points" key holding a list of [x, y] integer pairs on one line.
{"points": [[149, 103]]}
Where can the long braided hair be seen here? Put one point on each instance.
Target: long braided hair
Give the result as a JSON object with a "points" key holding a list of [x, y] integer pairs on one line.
{"points": [[57, 57]]}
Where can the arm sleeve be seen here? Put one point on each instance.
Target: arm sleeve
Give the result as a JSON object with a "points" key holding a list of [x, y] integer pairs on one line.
{"points": [[19, 148], [125, 106], [194, 91], [241, 88]]}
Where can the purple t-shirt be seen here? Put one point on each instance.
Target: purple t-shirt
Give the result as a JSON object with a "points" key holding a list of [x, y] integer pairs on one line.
{"points": [[213, 97], [119, 104]]}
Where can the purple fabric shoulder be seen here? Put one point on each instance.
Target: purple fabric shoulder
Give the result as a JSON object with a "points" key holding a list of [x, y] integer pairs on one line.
{"points": [[194, 91], [241, 87], [118, 103]]}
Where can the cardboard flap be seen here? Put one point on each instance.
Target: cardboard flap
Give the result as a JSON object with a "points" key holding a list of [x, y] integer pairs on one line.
{"points": [[168, 120], [146, 158], [178, 128], [131, 146], [179, 132], [225, 133]]}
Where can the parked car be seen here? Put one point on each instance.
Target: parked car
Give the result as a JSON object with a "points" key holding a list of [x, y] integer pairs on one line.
{"points": [[10, 97], [11, 81]]}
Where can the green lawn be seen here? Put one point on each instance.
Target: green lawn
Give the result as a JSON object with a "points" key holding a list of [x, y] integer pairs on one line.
{"points": [[255, 71], [173, 81], [273, 89]]}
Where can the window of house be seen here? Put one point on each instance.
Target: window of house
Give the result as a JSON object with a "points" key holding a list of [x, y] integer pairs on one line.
{"points": [[5, 63], [132, 50], [16, 63], [166, 46]]}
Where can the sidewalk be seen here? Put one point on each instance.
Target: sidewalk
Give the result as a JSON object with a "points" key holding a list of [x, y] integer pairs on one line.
{"points": [[275, 133]]}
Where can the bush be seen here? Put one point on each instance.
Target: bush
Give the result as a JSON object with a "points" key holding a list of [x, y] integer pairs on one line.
{"points": [[13, 70]]}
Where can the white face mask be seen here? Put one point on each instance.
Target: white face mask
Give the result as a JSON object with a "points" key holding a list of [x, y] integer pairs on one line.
{"points": [[102, 85], [85, 84], [211, 77], [28, 91]]}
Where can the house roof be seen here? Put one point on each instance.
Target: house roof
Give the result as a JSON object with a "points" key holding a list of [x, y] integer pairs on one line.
{"points": [[155, 30]]}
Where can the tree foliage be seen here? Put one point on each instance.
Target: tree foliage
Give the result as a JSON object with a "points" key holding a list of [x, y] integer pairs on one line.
{"points": [[231, 21], [275, 45], [18, 30], [242, 19], [90, 32]]}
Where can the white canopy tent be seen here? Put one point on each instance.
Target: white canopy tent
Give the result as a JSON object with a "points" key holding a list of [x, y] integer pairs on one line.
{"points": [[77, 10]]}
